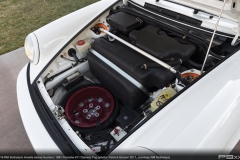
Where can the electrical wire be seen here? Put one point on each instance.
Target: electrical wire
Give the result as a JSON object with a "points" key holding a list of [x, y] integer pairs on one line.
{"points": [[65, 58], [73, 65]]}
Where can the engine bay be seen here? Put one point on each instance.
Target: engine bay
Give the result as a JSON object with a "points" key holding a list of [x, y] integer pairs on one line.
{"points": [[104, 87]]}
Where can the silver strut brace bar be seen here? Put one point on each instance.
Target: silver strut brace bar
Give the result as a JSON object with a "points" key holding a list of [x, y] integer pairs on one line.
{"points": [[165, 65]]}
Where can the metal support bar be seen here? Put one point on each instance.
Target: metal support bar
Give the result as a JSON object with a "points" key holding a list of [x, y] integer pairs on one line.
{"points": [[209, 47], [165, 65]]}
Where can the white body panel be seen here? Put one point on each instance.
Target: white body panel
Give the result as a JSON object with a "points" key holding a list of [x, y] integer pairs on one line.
{"points": [[37, 134], [62, 31], [204, 118]]}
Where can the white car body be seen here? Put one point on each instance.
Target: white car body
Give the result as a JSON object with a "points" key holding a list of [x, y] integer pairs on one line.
{"points": [[202, 119]]}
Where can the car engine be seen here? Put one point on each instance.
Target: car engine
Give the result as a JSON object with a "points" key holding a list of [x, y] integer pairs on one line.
{"points": [[121, 87]]}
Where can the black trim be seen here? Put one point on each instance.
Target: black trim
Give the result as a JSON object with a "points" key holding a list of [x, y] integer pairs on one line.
{"points": [[49, 121], [173, 15], [178, 24]]}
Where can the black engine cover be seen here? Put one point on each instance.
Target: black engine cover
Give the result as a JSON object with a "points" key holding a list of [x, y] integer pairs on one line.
{"points": [[126, 117], [124, 22], [154, 41], [130, 62]]}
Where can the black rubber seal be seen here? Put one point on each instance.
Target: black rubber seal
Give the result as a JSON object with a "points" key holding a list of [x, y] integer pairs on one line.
{"points": [[139, 7], [171, 14], [49, 121]]}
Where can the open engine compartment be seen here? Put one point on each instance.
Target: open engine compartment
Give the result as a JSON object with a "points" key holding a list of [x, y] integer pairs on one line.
{"points": [[104, 88]]}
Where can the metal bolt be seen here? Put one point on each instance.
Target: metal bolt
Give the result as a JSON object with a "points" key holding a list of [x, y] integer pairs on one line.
{"points": [[100, 99], [98, 107], [107, 104], [97, 114], [90, 105], [90, 99], [81, 104], [88, 116]]}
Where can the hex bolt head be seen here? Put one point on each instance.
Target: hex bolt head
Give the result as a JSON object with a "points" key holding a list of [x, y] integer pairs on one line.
{"points": [[85, 111], [90, 105]]}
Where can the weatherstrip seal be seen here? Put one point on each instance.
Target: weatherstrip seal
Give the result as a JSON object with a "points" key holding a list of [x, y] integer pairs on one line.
{"points": [[177, 21], [124, 74]]}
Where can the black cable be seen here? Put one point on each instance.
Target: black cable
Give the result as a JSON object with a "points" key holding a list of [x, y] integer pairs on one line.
{"points": [[52, 77], [72, 52], [65, 58]]}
